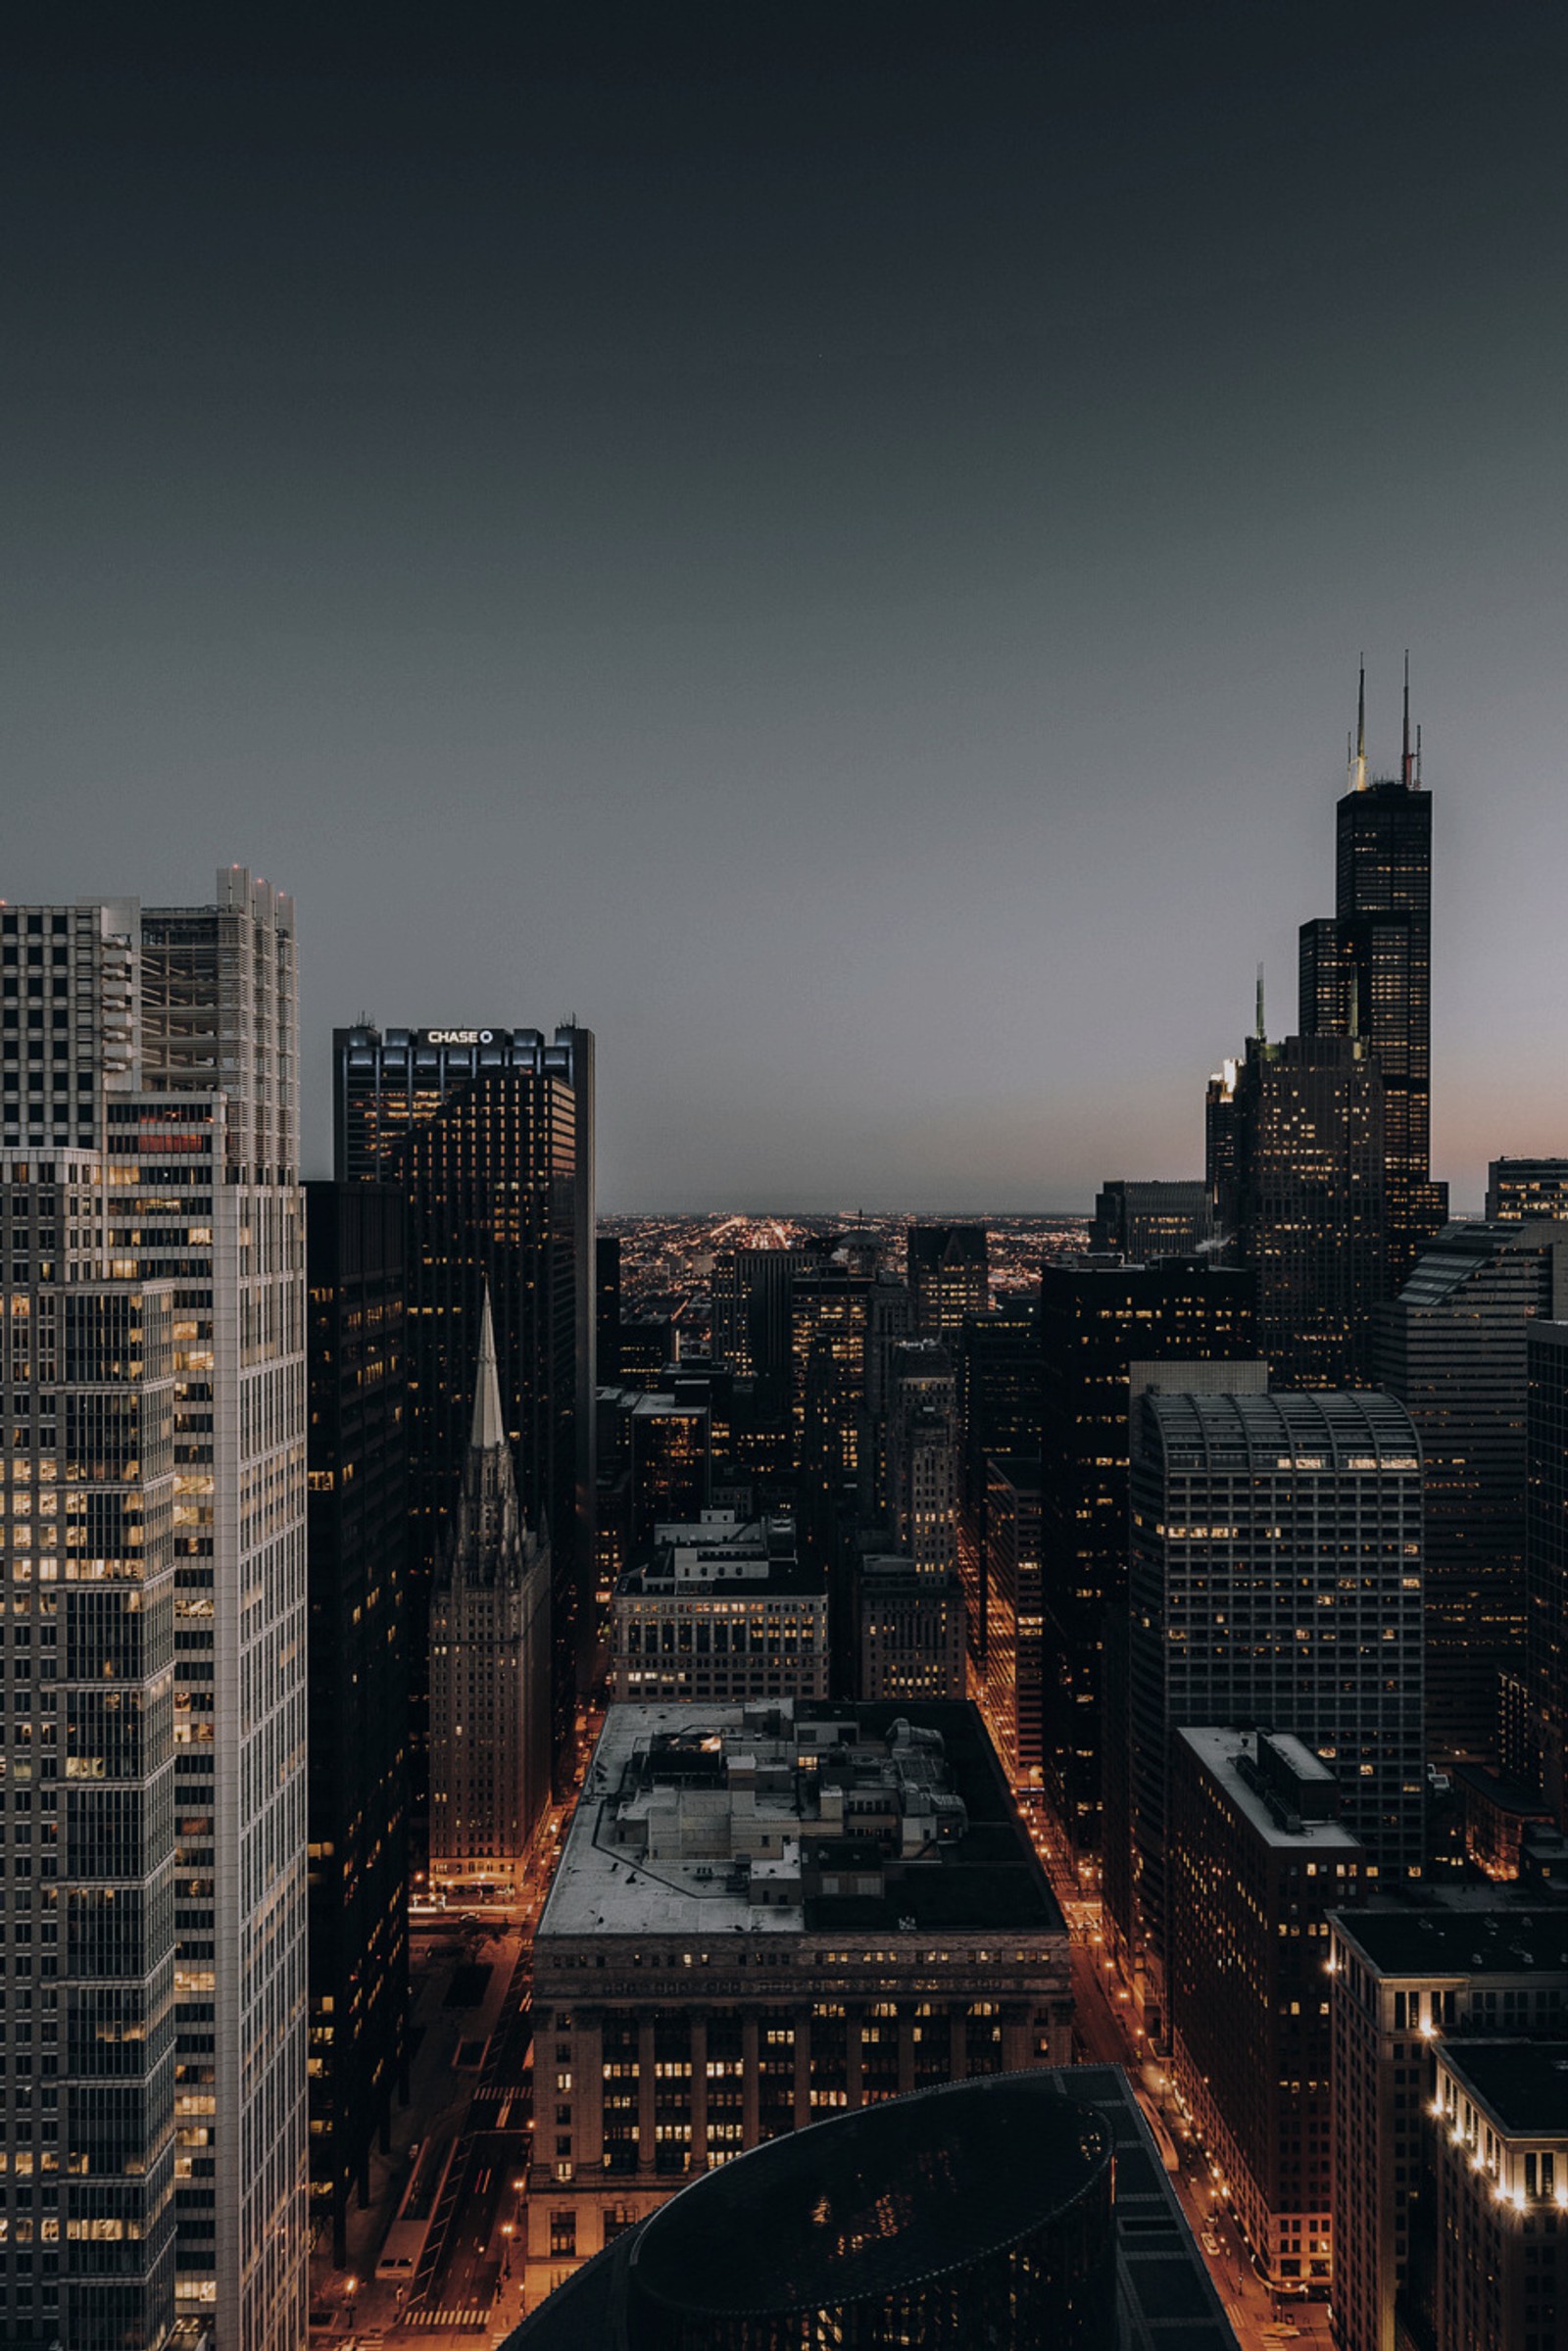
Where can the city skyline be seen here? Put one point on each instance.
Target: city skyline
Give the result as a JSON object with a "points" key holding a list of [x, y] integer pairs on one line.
{"points": [[842, 561]]}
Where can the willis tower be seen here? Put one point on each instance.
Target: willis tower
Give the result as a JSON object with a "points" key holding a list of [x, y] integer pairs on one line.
{"points": [[1368, 972]]}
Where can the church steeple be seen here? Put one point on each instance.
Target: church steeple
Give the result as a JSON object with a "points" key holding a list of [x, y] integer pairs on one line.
{"points": [[489, 1429]]}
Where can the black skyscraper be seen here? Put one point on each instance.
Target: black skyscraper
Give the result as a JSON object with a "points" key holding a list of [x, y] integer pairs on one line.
{"points": [[489, 1135], [1095, 1322], [356, 1536], [1368, 973]]}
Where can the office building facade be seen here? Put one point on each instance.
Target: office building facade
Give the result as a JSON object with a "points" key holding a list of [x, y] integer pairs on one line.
{"points": [[1518, 1189], [1144, 1221], [1275, 1577], [1545, 1708], [154, 1133], [1094, 1322], [1257, 1863], [1453, 1347], [358, 1784], [948, 1277], [720, 1609]]}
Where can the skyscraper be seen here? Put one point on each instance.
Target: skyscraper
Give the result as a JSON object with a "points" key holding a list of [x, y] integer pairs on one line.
{"points": [[1368, 973], [1452, 1346], [1152, 1221], [1310, 1209], [358, 1544], [1547, 1561], [948, 1277], [1094, 1321], [154, 1157], [490, 1743], [1275, 1577], [489, 1135], [1519, 1188]]}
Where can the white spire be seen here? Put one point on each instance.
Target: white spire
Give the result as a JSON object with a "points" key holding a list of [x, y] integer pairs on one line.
{"points": [[489, 1429]]}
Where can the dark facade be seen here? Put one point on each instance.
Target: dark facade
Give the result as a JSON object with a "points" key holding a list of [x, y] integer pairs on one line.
{"points": [[1368, 973], [1453, 1347], [1257, 1862], [1546, 1562], [1152, 1221], [489, 1135], [750, 1301], [357, 1790], [996, 1367], [1519, 1188], [1095, 1322], [606, 1306], [949, 1276], [1312, 1216]]}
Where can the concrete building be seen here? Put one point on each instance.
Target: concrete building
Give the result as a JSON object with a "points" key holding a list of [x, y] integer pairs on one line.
{"points": [[911, 1628], [1311, 1217], [1257, 1863], [721, 1610], [769, 1914], [1402, 1979], [1453, 1347], [490, 1743], [1275, 1577], [1499, 2158], [153, 1268]]}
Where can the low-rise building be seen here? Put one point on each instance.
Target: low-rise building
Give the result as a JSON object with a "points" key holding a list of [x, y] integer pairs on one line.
{"points": [[720, 1608], [764, 1915], [1258, 1861]]}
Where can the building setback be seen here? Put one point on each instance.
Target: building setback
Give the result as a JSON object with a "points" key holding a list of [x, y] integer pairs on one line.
{"points": [[358, 1792], [1257, 1862], [765, 1915]]}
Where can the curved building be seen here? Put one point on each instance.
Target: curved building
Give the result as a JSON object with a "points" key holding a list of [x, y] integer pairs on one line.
{"points": [[980, 2212]]}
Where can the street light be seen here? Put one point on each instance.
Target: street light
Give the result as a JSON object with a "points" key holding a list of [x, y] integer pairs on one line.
{"points": [[506, 2236]]}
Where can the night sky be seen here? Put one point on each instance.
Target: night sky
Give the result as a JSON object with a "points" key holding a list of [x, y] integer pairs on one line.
{"points": [[831, 544]]}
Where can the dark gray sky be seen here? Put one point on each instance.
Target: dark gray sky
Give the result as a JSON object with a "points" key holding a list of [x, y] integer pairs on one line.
{"points": [[832, 544]]}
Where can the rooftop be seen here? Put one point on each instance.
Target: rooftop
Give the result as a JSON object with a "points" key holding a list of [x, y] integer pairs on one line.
{"points": [[1522, 2083], [1232, 1756], [1498, 1940], [795, 1816], [722, 1554]]}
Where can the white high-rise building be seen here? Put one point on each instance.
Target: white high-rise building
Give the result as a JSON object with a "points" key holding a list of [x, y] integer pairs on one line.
{"points": [[151, 1237]]}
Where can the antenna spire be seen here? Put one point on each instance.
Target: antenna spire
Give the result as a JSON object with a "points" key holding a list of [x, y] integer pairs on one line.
{"points": [[1418, 757], [1358, 763], [1262, 1032], [1408, 757]]}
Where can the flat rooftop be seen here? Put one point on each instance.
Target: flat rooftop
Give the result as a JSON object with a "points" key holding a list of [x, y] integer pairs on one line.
{"points": [[1497, 1940], [1223, 1752], [791, 1816], [1522, 2083]]}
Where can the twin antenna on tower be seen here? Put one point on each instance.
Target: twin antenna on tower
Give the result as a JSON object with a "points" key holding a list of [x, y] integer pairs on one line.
{"points": [[1356, 745]]}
